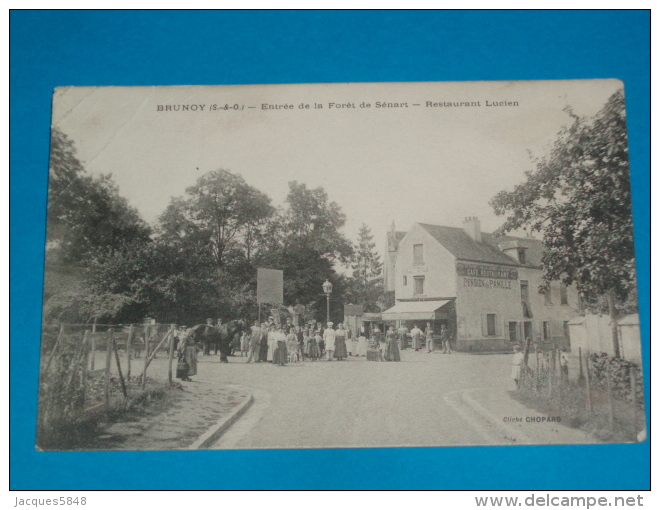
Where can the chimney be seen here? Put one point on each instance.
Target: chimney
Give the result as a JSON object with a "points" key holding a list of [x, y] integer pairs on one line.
{"points": [[472, 227]]}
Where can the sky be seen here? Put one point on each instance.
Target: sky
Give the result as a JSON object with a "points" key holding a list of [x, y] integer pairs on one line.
{"points": [[428, 164]]}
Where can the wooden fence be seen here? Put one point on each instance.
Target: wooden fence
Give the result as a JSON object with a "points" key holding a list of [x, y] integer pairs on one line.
{"points": [[605, 387], [94, 367]]}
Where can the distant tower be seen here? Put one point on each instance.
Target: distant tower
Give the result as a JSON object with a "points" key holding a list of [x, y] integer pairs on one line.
{"points": [[393, 238]]}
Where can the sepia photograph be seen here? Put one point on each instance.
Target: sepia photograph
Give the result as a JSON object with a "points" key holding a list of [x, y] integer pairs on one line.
{"points": [[355, 265]]}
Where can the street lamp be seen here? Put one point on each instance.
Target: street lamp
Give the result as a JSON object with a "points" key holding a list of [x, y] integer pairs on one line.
{"points": [[327, 290]]}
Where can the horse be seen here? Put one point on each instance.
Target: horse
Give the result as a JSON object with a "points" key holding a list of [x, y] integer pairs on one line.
{"points": [[220, 336]]}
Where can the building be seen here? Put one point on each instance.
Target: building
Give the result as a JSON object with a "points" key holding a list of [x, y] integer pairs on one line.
{"points": [[593, 333], [484, 289], [393, 239]]}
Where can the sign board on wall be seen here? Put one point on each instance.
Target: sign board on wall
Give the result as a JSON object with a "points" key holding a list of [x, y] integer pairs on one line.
{"points": [[270, 286], [482, 271]]}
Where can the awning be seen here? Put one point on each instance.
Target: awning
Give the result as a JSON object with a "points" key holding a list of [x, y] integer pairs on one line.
{"points": [[414, 311]]}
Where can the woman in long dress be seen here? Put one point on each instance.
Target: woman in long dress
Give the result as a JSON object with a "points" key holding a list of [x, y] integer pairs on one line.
{"points": [[272, 343], [361, 344], [245, 344], [392, 350], [321, 342], [380, 341], [518, 358], [189, 351], [340, 343], [292, 346], [280, 354], [313, 345], [263, 343]]}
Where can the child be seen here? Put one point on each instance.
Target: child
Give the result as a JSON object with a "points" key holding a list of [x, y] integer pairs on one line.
{"points": [[292, 347], [245, 344]]}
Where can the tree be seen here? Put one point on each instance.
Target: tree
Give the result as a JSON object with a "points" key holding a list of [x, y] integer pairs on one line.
{"points": [[218, 213], [161, 280], [311, 222], [304, 239], [367, 283], [579, 198], [85, 214]]}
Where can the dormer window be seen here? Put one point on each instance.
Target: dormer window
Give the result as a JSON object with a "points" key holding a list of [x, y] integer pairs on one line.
{"points": [[514, 250]]}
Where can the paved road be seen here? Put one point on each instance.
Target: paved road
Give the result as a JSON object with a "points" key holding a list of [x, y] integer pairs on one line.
{"points": [[353, 403]]}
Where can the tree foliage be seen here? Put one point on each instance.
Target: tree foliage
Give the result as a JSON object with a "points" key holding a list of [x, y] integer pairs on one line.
{"points": [[85, 214], [202, 258], [578, 197], [367, 282], [304, 239], [311, 222], [218, 213]]}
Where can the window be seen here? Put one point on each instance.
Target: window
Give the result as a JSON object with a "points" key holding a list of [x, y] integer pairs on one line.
{"points": [[513, 331], [524, 297], [546, 331], [418, 254], [547, 296], [405, 280], [521, 256], [490, 324], [563, 294], [419, 285]]}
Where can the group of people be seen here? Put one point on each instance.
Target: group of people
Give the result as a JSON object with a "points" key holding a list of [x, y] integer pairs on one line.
{"points": [[424, 339], [279, 344], [286, 343]]}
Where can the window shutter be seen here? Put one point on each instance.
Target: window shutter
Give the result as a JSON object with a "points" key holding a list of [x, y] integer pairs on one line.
{"points": [[498, 326], [484, 324], [506, 328]]}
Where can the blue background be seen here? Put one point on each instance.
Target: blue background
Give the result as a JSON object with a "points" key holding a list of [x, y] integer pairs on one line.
{"points": [[57, 48]]}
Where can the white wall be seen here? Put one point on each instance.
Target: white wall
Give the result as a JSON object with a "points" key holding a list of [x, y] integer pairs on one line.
{"points": [[438, 270], [595, 334]]}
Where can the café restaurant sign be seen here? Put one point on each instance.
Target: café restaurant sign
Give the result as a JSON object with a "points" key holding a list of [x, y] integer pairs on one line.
{"points": [[482, 271]]}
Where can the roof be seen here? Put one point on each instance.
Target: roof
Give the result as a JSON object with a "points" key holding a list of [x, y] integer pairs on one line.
{"points": [[413, 310], [629, 320], [463, 247], [394, 240]]}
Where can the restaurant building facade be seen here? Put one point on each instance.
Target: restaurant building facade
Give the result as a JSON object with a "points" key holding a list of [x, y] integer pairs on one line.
{"points": [[484, 289]]}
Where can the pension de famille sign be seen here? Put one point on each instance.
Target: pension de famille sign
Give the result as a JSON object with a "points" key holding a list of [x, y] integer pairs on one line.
{"points": [[487, 277]]}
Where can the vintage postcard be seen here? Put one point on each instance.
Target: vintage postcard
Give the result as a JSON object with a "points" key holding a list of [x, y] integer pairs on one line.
{"points": [[340, 265]]}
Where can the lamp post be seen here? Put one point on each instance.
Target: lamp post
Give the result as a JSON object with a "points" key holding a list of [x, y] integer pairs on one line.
{"points": [[327, 290]]}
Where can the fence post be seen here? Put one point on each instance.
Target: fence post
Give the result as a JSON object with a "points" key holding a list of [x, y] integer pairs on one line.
{"points": [[129, 351], [536, 370], [93, 347], [86, 367], [57, 344], [590, 405], [160, 344], [610, 404], [551, 370], [108, 359], [121, 377], [581, 376], [171, 355], [147, 332], [633, 391]]}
